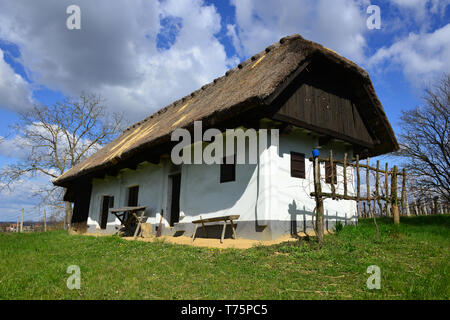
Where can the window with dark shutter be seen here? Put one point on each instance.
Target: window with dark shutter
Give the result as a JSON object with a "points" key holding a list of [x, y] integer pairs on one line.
{"points": [[297, 165], [133, 196], [228, 171], [328, 172]]}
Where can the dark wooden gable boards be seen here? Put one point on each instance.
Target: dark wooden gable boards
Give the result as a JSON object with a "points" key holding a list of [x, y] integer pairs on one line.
{"points": [[323, 102]]}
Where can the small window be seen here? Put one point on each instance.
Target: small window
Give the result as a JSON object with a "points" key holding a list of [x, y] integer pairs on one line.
{"points": [[228, 171], [297, 165], [328, 172], [133, 196], [111, 202]]}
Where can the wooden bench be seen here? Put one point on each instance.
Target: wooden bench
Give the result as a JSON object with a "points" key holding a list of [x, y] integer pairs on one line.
{"points": [[126, 221], [216, 219]]}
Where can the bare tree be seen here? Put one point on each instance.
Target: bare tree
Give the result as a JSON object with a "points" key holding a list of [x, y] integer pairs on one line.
{"points": [[59, 136], [424, 141]]}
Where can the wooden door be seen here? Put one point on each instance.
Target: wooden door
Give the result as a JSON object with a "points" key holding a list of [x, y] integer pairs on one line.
{"points": [[108, 202], [175, 201]]}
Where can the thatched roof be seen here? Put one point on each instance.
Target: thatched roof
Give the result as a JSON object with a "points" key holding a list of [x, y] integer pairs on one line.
{"points": [[253, 83]]}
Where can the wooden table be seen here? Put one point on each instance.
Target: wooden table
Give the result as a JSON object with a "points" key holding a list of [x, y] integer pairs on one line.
{"points": [[216, 219], [126, 221]]}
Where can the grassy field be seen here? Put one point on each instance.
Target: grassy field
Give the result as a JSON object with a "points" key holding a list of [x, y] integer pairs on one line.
{"points": [[413, 258]]}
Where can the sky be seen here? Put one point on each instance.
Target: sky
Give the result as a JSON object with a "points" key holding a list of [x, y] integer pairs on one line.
{"points": [[141, 55]]}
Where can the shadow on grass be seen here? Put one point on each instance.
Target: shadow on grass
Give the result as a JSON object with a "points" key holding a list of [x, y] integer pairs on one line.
{"points": [[431, 220], [437, 220]]}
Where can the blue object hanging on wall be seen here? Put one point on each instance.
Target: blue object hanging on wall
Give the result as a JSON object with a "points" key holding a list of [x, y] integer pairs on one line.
{"points": [[315, 153]]}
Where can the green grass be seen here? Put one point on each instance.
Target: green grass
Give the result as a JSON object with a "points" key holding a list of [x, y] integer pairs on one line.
{"points": [[414, 262]]}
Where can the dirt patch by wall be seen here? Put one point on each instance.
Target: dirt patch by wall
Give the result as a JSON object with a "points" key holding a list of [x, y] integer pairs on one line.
{"points": [[215, 243], [212, 242]]}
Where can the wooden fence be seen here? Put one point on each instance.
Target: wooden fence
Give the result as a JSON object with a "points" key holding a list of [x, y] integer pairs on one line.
{"points": [[377, 191]]}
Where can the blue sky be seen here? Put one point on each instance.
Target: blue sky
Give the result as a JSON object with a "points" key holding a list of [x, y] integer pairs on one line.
{"points": [[143, 55]]}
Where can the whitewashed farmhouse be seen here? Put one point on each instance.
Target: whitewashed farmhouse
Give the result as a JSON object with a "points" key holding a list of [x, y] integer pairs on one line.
{"points": [[313, 96]]}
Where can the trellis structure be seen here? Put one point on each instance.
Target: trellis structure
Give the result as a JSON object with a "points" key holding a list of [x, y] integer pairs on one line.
{"points": [[380, 193]]}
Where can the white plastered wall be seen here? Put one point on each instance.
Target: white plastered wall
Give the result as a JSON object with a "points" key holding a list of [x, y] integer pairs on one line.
{"points": [[261, 193], [293, 194], [152, 181], [203, 195]]}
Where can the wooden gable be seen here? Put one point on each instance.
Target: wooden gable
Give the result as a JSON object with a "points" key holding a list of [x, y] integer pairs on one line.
{"points": [[323, 103]]}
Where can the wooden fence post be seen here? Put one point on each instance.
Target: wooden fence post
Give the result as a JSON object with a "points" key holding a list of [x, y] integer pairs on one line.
{"points": [[394, 197], [345, 174], [404, 195], [377, 185], [319, 201], [21, 222], [368, 181], [333, 189], [358, 183], [387, 200], [403, 199]]}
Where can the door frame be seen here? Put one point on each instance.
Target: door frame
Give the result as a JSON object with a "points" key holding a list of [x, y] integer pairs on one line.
{"points": [[170, 196], [103, 198]]}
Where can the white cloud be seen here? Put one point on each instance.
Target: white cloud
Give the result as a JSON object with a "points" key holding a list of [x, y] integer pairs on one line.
{"points": [[195, 58], [14, 147], [421, 57], [339, 24], [23, 148], [22, 195], [115, 53], [15, 93], [417, 15], [422, 8]]}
